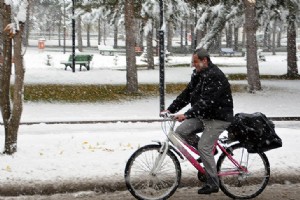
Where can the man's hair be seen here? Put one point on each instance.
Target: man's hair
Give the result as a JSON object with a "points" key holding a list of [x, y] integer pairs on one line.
{"points": [[202, 53]]}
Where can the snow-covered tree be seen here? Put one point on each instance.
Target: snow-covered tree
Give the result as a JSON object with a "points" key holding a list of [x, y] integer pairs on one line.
{"points": [[217, 16], [285, 12], [175, 11], [293, 7], [14, 16], [132, 80], [252, 62]]}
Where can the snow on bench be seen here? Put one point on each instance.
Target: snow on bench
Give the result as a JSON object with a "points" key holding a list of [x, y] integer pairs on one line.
{"points": [[227, 51], [103, 49]]}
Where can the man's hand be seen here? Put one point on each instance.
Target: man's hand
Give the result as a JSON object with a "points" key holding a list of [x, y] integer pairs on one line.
{"points": [[164, 113], [180, 117]]}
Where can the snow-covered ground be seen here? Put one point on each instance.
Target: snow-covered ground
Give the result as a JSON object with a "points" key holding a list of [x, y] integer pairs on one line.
{"points": [[53, 153], [109, 70]]}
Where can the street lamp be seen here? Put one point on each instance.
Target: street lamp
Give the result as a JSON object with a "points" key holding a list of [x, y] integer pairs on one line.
{"points": [[161, 58], [73, 36]]}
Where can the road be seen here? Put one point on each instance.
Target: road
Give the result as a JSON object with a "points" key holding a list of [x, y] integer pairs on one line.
{"points": [[274, 192]]}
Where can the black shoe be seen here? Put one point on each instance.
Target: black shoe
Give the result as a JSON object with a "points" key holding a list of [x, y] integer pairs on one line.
{"points": [[208, 189], [199, 159]]}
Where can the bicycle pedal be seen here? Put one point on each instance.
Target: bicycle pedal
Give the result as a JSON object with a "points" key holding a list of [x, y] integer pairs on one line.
{"points": [[202, 177], [229, 150], [199, 160]]}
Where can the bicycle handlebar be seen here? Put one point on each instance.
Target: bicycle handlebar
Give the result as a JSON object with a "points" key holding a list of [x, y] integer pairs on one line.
{"points": [[167, 115]]}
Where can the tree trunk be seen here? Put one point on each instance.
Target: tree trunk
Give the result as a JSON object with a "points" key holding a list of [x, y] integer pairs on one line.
{"points": [[181, 35], [219, 41], [1, 52], [269, 42], [17, 101], [186, 33], [104, 33], [192, 37], [116, 34], [141, 39], [244, 37], [170, 35], [150, 56], [5, 79], [229, 36], [274, 38], [236, 38], [99, 31], [79, 34], [6, 68], [279, 38], [88, 36], [59, 31], [27, 24], [131, 75], [252, 63], [266, 33], [292, 69]]}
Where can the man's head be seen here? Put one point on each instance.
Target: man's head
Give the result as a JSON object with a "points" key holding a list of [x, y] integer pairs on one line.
{"points": [[200, 59]]}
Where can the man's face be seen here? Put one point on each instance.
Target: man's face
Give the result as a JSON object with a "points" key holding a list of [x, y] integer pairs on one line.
{"points": [[197, 63]]}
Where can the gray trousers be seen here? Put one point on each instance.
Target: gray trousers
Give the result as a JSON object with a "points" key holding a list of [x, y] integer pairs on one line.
{"points": [[211, 132]]}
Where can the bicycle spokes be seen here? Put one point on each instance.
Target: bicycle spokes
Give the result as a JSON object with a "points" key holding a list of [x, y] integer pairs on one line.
{"points": [[246, 177]]}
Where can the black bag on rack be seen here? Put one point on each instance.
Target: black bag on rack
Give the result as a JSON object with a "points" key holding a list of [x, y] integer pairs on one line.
{"points": [[255, 131]]}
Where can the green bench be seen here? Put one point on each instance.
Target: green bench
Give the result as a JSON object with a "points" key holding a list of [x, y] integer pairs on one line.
{"points": [[81, 60]]}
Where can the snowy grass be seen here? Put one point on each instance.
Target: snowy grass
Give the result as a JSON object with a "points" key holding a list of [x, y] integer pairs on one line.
{"points": [[94, 93]]}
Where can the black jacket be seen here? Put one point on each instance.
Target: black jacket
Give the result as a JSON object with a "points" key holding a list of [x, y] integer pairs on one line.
{"points": [[209, 94]]}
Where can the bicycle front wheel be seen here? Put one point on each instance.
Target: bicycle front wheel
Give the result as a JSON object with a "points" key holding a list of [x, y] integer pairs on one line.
{"points": [[143, 183], [243, 185]]}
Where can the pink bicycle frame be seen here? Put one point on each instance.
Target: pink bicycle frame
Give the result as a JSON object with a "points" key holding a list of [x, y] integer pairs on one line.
{"points": [[174, 138]]}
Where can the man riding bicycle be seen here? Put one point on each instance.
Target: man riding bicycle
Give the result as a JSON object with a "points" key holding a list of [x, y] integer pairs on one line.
{"points": [[211, 111]]}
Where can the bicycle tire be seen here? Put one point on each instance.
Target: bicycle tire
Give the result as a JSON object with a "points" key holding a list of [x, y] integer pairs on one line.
{"points": [[244, 186], [159, 189]]}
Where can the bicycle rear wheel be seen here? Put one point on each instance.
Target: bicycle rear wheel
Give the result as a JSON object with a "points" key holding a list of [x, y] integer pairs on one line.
{"points": [[243, 185], [145, 185]]}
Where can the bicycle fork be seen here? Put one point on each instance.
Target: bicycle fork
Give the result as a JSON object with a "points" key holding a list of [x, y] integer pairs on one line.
{"points": [[160, 158]]}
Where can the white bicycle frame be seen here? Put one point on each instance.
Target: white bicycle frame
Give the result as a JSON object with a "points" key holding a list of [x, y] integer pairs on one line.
{"points": [[176, 141]]}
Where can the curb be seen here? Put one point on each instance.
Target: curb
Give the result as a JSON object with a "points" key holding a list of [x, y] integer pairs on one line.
{"points": [[98, 185]]}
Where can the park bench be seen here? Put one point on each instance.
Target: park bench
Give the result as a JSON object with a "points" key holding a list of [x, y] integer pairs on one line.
{"points": [[143, 56], [227, 51], [105, 49], [260, 57], [83, 60]]}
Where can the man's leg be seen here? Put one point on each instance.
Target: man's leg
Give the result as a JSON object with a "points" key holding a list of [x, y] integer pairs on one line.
{"points": [[188, 130], [212, 131]]}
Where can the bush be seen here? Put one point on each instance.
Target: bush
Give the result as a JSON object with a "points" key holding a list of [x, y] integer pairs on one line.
{"points": [[93, 93]]}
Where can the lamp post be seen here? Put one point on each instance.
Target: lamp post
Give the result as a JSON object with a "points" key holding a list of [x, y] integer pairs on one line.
{"points": [[161, 58], [73, 36]]}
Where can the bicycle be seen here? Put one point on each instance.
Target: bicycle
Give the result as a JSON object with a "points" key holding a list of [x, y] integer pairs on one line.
{"points": [[153, 171]]}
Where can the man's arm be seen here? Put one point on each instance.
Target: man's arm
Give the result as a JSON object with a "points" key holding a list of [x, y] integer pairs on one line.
{"points": [[181, 101]]}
